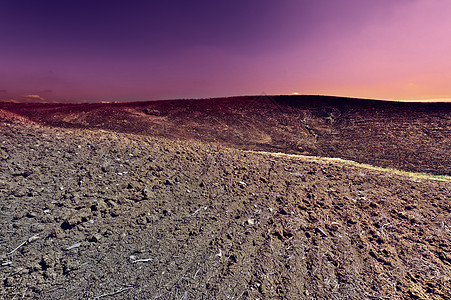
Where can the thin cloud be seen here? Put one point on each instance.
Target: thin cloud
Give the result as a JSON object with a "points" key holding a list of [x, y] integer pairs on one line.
{"points": [[11, 100], [33, 97]]}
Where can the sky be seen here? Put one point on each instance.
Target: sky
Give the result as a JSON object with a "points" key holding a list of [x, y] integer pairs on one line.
{"points": [[107, 50]]}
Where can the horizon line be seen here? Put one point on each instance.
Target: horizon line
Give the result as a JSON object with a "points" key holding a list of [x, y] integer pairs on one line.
{"points": [[69, 101]]}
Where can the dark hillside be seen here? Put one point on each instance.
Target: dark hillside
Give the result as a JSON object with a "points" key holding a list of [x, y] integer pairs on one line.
{"points": [[408, 136]]}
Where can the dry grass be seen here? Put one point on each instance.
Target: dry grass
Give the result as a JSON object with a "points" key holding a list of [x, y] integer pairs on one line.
{"points": [[412, 175]]}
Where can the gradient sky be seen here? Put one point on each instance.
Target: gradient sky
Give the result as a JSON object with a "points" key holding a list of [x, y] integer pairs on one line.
{"points": [[144, 50]]}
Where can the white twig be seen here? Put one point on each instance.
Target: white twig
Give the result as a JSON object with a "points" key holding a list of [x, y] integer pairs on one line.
{"points": [[112, 293], [74, 246], [322, 231], [198, 210], [34, 237], [195, 274], [142, 260]]}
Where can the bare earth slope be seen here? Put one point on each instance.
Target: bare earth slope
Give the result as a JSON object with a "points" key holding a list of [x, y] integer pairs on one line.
{"points": [[408, 136], [107, 215]]}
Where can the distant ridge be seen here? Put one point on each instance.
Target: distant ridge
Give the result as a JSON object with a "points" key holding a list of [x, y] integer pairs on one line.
{"points": [[42, 101]]}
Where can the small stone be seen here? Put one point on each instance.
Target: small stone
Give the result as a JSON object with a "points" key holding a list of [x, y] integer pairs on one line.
{"points": [[69, 266], [51, 274], [9, 281], [31, 214], [106, 232], [147, 194], [19, 193], [47, 261], [250, 221], [96, 238]]}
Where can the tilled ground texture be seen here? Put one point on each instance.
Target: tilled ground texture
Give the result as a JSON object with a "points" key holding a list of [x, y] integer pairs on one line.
{"points": [[102, 215]]}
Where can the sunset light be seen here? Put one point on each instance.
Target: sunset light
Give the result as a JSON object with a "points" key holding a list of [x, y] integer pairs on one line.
{"points": [[118, 51]]}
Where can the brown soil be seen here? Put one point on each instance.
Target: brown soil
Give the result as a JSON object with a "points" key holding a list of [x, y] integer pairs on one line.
{"points": [[408, 136], [109, 215]]}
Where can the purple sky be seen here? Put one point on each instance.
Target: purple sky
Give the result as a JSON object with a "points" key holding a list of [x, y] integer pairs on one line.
{"points": [[143, 50]]}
